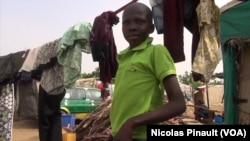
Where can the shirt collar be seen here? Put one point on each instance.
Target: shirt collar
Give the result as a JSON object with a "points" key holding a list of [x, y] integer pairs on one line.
{"points": [[141, 46]]}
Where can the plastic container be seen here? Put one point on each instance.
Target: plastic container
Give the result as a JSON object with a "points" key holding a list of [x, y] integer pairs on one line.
{"points": [[68, 120], [69, 137], [218, 119]]}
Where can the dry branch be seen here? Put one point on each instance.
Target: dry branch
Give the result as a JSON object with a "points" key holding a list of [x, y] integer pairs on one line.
{"points": [[96, 126]]}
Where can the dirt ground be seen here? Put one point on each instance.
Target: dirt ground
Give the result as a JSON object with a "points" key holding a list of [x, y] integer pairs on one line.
{"points": [[25, 130]]}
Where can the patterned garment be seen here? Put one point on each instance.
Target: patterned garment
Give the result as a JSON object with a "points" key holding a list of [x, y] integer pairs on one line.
{"points": [[52, 78], [208, 53], [6, 112]]}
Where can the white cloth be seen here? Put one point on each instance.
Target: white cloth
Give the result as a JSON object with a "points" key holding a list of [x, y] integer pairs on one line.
{"points": [[28, 64]]}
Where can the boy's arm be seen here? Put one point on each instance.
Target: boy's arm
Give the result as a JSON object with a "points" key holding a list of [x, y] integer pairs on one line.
{"points": [[175, 106]]}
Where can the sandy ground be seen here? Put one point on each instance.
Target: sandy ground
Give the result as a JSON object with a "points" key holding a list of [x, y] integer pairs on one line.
{"points": [[25, 130]]}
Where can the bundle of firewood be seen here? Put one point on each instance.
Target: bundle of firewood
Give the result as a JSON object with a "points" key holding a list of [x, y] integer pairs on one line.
{"points": [[96, 126]]}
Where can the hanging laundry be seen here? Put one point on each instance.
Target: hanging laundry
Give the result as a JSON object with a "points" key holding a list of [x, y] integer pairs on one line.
{"points": [[208, 53], [48, 69], [157, 12], [173, 23], [24, 73], [103, 46], [189, 21], [6, 112], [69, 52], [191, 24], [28, 64], [51, 91], [10, 65], [102, 41]]}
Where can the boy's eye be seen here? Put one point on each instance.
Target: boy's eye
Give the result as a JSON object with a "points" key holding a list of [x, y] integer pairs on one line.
{"points": [[135, 22], [140, 21], [125, 22]]}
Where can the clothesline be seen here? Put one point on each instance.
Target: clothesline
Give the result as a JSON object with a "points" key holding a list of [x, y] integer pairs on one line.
{"points": [[123, 7]]}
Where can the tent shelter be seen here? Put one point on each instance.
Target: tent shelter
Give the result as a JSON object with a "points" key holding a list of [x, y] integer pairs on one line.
{"points": [[235, 35]]}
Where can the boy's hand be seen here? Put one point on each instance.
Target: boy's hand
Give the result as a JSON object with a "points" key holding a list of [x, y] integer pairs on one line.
{"points": [[125, 133], [110, 138]]}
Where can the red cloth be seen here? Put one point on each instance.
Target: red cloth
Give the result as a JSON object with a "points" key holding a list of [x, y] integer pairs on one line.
{"points": [[173, 21], [100, 86], [103, 46]]}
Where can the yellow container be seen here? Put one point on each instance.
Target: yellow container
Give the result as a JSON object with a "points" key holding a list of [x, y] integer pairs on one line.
{"points": [[69, 136]]}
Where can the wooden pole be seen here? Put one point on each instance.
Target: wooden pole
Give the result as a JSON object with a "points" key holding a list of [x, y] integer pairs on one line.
{"points": [[207, 96]]}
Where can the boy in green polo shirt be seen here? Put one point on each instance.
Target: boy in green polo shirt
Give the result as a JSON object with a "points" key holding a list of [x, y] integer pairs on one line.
{"points": [[144, 72]]}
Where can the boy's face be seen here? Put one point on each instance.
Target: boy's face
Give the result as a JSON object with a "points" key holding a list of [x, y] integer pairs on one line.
{"points": [[136, 25]]}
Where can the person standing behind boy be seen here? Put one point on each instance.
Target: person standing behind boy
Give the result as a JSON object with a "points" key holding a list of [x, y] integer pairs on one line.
{"points": [[144, 71], [105, 92]]}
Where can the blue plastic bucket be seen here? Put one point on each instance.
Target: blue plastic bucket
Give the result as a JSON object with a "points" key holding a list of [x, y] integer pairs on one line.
{"points": [[68, 120], [218, 119]]}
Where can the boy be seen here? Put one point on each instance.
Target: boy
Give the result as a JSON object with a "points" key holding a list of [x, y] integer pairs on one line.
{"points": [[144, 71]]}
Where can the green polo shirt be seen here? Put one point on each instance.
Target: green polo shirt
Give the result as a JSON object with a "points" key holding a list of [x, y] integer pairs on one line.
{"points": [[138, 83]]}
